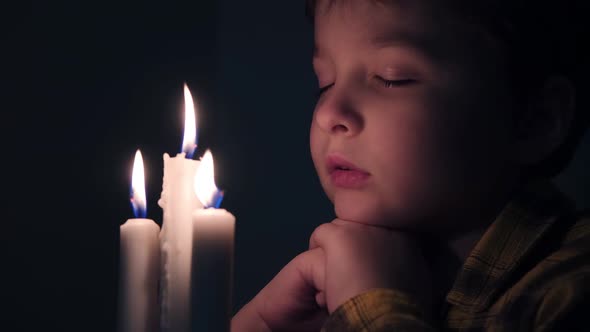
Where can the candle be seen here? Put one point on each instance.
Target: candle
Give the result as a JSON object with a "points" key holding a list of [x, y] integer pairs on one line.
{"points": [[139, 264], [178, 201], [213, 254]]}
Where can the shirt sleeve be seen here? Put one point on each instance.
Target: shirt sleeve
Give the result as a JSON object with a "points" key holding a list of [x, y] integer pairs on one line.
{"points": [[378, 310], [565, 306]]}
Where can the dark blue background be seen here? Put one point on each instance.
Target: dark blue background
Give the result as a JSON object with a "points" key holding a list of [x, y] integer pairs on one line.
{"points": [[105, 79]]}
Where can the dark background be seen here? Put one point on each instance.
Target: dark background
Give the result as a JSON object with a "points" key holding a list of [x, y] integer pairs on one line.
{"points": [[105, 79]]}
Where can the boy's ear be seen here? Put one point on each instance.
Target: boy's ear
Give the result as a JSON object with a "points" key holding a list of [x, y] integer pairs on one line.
{"points": [[546, 122]]}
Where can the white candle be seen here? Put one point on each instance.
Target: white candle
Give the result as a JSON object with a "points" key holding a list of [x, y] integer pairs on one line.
{"points": [[213, 254], [139, 263], [178, 201]]}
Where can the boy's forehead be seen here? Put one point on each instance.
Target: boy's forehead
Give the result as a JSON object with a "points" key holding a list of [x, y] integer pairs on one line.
{"points": [[417, 24], [386, 39], [372, 24]]}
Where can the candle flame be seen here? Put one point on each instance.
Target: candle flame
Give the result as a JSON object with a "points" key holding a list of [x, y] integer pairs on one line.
{"points": [[138, 201], [189, 142], [205, 187]]}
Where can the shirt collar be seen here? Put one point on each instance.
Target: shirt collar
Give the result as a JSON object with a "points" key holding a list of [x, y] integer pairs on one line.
{"points": [[517, 230]]}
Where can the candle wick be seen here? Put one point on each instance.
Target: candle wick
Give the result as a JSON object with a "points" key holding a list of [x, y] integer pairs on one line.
{"points": [[189, 151], [218, 198]]}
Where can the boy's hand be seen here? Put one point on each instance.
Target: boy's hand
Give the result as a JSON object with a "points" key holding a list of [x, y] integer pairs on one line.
{"points": [[359, 257], [288, 301], [345, 259]]}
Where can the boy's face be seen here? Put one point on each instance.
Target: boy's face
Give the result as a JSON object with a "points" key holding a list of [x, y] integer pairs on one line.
{"points": [[415, 106]]}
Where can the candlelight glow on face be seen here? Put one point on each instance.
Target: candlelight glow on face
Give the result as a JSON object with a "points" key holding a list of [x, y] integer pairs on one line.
{"points": [[189, 141], [205, 187], [138, 201]]}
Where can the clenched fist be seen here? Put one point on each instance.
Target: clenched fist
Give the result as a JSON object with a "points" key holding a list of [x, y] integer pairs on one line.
{"points": [[360, 257], [345, 259]]}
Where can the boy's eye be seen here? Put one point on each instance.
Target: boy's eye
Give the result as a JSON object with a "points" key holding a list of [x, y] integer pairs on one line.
{"points": [[387, 83], [396, 83], [323, 89]]}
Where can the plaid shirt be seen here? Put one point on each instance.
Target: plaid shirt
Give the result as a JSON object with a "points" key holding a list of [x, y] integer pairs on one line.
{"points": [[530, 271]]}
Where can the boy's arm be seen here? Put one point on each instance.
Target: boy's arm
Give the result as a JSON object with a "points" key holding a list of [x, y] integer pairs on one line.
{"points": [[561, 307], [378, 310]]}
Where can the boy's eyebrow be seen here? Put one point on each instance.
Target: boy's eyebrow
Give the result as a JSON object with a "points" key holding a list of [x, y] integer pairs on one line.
{"points": [[397, 39], [393, 39], [403, 39]]}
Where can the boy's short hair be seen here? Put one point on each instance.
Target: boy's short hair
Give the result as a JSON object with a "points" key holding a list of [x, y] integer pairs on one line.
{"points": [[541, 38]]}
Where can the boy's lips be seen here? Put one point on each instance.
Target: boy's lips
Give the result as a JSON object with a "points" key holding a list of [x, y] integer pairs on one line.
{"points": [[344, 173]]}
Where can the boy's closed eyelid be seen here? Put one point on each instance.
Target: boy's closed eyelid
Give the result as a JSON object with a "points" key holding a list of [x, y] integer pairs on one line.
{"points": [[396, 62], [398, 75], [401, 65]]}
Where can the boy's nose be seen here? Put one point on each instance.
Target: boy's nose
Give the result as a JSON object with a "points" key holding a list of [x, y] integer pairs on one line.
{"points": [[338, 116]]}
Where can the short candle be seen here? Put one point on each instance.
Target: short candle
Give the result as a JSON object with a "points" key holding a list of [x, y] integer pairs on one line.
{"points": [[139, 262], [213, 254]]}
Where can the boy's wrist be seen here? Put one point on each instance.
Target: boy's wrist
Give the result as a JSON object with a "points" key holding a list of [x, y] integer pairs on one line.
{"points": [[375, 305], [393, 297]]}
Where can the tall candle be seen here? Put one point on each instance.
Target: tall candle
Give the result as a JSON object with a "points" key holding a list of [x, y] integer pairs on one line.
{"points": [[213, 255], [139, 263], [178, 201]]}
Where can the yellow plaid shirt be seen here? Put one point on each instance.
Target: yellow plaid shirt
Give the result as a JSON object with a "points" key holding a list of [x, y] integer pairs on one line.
{"points": [[530, 271]]}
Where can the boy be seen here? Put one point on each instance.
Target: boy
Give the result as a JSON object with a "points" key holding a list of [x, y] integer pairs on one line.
{"points": [[431, 136]]}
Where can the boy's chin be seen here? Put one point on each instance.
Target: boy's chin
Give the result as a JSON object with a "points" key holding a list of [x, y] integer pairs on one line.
{"points": [[356, 207]]}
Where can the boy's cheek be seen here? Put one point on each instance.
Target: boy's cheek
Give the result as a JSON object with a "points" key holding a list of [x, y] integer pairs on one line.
{"points": [[327, 187], [318, 145]]}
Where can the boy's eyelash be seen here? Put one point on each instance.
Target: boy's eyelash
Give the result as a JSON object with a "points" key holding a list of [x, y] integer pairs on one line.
{"points": [[392, 83], [387, 83]]}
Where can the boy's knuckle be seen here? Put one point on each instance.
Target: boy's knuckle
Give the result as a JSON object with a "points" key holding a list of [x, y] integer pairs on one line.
{"points": [[322, 230]]}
